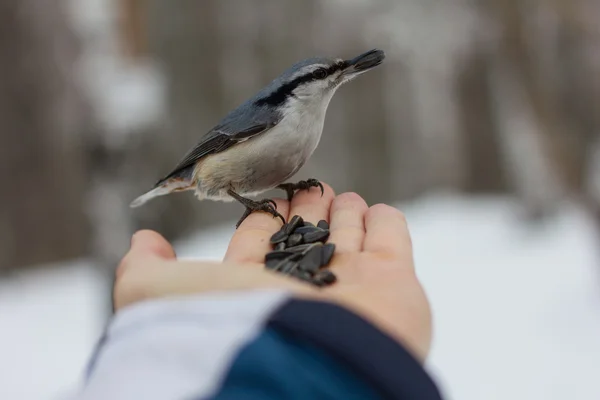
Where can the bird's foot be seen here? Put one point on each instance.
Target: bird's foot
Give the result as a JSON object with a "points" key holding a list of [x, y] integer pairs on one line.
{"points": [[290, 188], [265, 205]]}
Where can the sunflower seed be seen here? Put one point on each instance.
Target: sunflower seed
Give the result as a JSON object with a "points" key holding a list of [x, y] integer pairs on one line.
{"points": [[279, 236], [317, 282], [306, 229], [323, 224], [327, 253], [288, 267], [300, 251], [300, 248], [303, 275], [294, 223], [295, 239], [325, 276], [311, 261], [277, 255], [274, 264], [316, 236]]}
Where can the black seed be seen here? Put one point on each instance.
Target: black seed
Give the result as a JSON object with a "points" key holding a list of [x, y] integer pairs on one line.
{"points": [[323, 224], [288, 267], [300, 248], [277, 255], [325, 276], [318, 283], [316, 236], [305, 229], [311, 261], [294, 223], [272, 264], [306, 223], [277, 264], [303, 275], [280, 246], [294, 240], [279, 236], [327, 253]]}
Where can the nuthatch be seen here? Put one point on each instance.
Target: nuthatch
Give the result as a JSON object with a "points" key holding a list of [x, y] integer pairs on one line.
{"points": [[267, 139]]}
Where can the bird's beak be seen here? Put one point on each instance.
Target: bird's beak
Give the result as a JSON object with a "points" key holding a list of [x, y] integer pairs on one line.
{"points": [[363, 63]]}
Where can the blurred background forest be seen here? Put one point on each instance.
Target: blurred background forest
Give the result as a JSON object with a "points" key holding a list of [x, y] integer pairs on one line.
{"points": [[99, 98]]}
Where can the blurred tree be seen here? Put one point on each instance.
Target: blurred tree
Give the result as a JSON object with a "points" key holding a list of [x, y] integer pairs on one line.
{"points": [[43, 115], [484, 168], [557, 82], [132, 27], [485, 96], [579, 92]]}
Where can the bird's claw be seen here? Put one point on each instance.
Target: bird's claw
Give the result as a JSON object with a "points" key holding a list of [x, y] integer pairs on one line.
{"points": [[290, 188], [272, 202], [265, 205], [315, 183]]}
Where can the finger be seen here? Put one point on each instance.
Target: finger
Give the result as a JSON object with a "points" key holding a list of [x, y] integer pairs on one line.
{"points": [[177, 278], [311, 206], [146, 244], [250, 242], [386, 231], [347, 224]]}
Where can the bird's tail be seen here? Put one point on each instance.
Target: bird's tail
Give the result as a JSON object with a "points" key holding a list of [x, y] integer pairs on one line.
{"points": [[166, 187]]}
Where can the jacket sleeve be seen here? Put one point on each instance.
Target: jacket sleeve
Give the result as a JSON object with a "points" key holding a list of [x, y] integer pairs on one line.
{"points": [[250, 345]]}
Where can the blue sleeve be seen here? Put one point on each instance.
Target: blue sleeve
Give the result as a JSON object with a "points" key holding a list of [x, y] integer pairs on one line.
{"points": [[274, 367], [249, 345], [316, 350]]}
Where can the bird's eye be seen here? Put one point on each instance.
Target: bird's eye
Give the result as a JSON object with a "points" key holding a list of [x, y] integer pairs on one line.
{"points": [[320, 73]]}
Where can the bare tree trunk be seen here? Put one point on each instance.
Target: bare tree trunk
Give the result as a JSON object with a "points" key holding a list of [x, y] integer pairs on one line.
{"points": [[42, 117], [405, 147], [484, 160], [526, 112], [565, 114], [580, 98]]}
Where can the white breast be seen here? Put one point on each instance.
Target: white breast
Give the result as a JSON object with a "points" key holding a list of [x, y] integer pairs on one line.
{"points": [[265, 161], [299, 132]]}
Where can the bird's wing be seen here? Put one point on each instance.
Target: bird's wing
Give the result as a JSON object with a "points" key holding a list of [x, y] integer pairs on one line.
{"points": [[217, 140]]}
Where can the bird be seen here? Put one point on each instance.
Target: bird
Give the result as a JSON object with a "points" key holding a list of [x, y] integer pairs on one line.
{"points": [[263, 142]]}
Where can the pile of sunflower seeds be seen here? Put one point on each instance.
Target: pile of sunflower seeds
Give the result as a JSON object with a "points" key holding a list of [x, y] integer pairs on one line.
{"points": [[300, 250]]}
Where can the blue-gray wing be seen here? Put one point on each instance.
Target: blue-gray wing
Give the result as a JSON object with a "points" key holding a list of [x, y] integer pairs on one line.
{"points": [[218, 139]]}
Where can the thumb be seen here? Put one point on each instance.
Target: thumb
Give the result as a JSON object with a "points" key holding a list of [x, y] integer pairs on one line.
{"points": [[146, 244]]}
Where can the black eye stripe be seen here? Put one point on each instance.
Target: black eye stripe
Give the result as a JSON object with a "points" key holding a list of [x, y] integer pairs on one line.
{"points": [[280, 95]]}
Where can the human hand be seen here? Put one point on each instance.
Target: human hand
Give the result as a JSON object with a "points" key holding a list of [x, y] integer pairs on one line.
{"points": [[373, 263]]}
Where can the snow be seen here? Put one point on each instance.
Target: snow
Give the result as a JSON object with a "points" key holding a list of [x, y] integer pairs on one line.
{"points": [[49, 321], [516, 306]]}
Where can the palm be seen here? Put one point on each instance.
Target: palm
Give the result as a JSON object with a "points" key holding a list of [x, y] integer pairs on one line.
{"points": [[362, 235], [373, 259]]}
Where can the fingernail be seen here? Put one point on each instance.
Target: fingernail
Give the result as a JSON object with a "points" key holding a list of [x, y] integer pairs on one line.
{"points": [[133, 239]]}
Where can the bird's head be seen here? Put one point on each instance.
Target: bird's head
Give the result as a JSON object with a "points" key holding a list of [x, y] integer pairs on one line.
{"points": [[316, 79]]}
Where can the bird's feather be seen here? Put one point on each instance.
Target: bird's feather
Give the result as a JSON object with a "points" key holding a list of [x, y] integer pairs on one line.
{"points": [[217, 140]]}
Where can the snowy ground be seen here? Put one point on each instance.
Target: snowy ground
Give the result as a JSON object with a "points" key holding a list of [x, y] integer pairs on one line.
{"points": [[516, 308], [49, 321]]}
